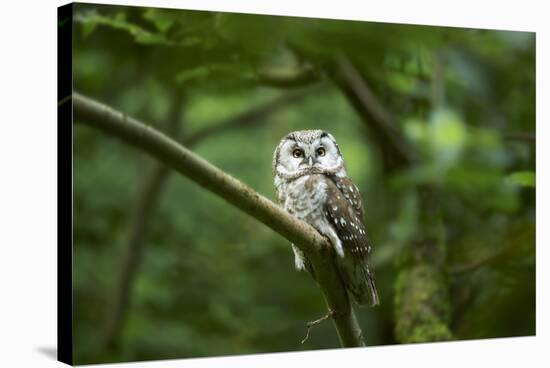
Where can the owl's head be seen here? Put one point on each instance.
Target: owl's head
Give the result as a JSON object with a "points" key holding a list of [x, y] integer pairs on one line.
{"points": [[306, 152]]}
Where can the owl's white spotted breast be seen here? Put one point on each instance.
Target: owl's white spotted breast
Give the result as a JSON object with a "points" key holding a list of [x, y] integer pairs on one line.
{"points": [[305, 198]]}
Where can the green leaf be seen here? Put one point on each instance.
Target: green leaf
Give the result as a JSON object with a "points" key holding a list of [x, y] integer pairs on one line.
{"points": [[192, 74], [88, 28], [92, 19], [161, 19], [522, 178]]}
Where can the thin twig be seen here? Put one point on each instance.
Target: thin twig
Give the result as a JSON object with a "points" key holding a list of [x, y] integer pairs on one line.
{"points": [[311, 324]]}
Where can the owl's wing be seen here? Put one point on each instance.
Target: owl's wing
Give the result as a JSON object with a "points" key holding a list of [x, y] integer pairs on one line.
{"points": [[351, 193], [344, 210]]}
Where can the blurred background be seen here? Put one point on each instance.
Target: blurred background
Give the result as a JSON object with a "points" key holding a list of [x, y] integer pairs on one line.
{"points": [[437, 127]]}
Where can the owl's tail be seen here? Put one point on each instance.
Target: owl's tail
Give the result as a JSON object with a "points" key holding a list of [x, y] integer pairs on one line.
{"points": [[374, 300], [359, 281], [366, 294]]}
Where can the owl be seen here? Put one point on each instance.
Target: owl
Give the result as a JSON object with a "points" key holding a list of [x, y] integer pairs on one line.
{"points": [[311, 183]]}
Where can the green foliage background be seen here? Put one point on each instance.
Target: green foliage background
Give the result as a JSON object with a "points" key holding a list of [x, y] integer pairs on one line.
{"points": [[212, 281]]}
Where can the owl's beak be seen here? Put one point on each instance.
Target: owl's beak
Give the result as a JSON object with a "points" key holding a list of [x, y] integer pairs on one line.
{"points": [[310, 161]]}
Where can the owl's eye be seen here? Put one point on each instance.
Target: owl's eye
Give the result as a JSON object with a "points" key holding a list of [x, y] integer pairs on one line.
{"points": [[320, 151], [297, 153]]}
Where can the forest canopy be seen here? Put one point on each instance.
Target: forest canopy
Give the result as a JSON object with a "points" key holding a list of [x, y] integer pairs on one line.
{"points": [[437, 128]]}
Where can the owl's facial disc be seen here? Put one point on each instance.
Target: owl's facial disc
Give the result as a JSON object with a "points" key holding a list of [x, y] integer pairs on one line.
{"points": [[318, 156]]}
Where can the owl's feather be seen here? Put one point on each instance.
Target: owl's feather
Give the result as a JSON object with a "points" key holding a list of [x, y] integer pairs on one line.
{"points": [[344, 210]]}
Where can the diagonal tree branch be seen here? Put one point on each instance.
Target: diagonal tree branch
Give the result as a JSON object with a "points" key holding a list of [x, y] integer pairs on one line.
{"points": [[150, 190], [305, 237]]}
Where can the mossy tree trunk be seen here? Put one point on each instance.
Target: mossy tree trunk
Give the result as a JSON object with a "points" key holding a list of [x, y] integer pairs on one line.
{"points": [[421, 293], [421, 301]]}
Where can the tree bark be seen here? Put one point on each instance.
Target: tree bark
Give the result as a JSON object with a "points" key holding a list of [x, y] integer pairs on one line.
{"points": [[306, 238]]}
